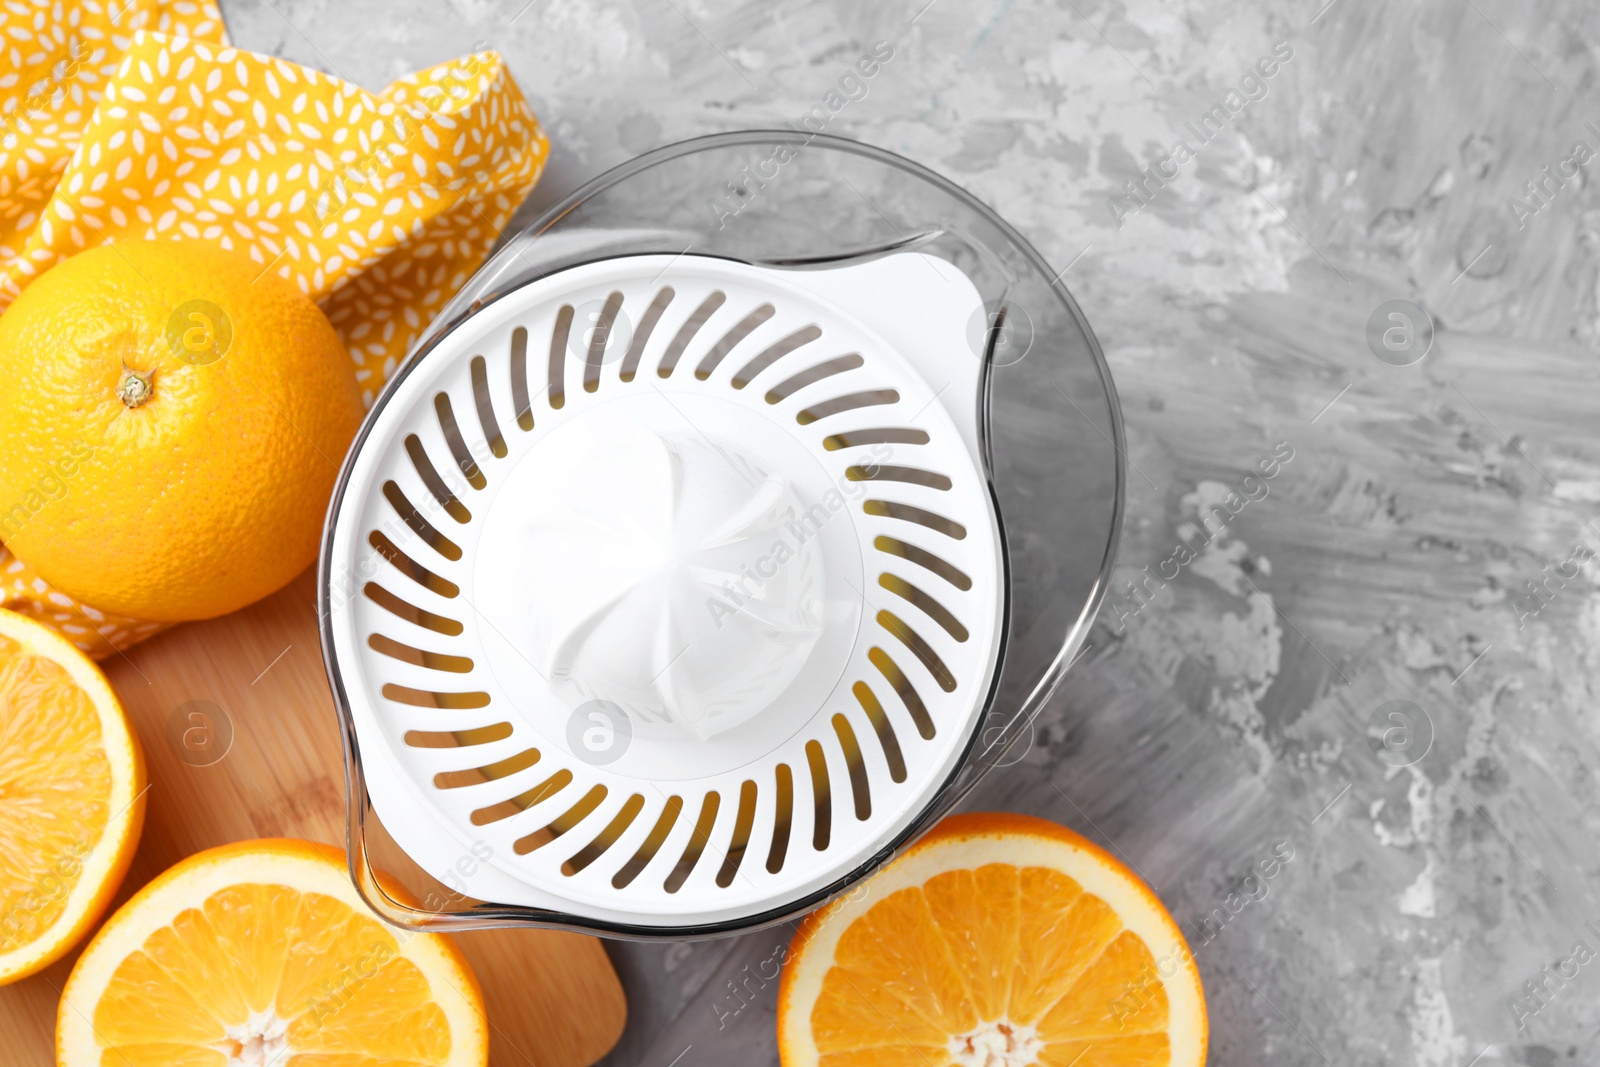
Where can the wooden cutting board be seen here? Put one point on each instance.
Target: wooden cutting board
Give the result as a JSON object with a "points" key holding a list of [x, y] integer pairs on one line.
{"points": [[553, 998]]}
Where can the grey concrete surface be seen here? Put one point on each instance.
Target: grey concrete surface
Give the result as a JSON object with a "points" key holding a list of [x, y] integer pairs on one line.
{"points": [[1429, 543]]}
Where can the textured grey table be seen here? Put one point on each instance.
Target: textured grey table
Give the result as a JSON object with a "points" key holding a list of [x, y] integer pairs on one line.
{"points": [[1442, 861]]}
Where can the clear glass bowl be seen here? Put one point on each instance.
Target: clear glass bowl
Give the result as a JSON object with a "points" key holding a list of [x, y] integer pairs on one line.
{"points": [[1052, 431]]}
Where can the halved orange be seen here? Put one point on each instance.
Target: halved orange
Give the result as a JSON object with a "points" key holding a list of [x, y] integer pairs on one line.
{"points": [[71, 795], [995, 941], [261, 952]]}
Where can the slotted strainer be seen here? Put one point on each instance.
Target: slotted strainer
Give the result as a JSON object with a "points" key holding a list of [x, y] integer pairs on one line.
{"points": [[664, 593]]}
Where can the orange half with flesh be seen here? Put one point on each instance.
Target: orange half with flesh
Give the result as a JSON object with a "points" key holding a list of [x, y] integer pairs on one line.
{"points": [[995, 941], [262, 953], [71, 795]]}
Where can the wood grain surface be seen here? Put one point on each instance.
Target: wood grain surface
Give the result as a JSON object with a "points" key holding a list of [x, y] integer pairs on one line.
{"points": [[553, 998]]}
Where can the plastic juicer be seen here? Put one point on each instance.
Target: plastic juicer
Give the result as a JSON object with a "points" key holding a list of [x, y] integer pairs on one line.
{"points": [[731, 521]]}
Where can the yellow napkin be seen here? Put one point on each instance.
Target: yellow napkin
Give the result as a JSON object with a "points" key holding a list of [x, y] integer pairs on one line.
{"points": [[133, 119]]}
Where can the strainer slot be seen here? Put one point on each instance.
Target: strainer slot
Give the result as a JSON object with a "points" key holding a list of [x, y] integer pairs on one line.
{"points": [[924, 559], [559, 335], [812, 375], [421, 657], [821, 796], [642, 332], [409, 567], [697, 842], [436, 485], [420, 526], [855, 765], [599, 338], [458, 445], [924, 603], [651, 844], [524, 800], [427, 698], [481, 400], [478, 735], [488, 772], [614, 829], [743, 821], [782, 818], [883, 472], [408, 611], [561, 823], [686, 332], [520, 400], [889, 509], [904, 690], [772, 353], [883, 728], [919, 648], [730, 340], [878, 435], [848, 402]]}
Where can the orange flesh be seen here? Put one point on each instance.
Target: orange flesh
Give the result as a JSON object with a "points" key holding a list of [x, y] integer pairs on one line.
{"points": [[260, 957], [55, 784], [1022, 949]]}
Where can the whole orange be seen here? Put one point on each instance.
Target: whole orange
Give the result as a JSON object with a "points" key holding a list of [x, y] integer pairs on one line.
{"points": [[174, 417]]}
